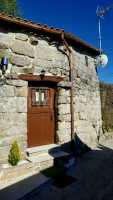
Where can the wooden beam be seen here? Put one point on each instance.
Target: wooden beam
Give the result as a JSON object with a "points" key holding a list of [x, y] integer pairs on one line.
{"points": [[31, 77]]}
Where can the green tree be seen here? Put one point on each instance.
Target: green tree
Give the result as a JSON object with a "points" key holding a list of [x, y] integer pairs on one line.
{"points": [[14, 154], [10, 7]]}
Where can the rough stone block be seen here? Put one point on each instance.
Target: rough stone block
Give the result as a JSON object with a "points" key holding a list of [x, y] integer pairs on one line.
{"points": [[6, 40], [6, 91], [21, 36], [64, 125], [64, 109], [15, 71], [21, 91], [82, 115], [20, 60], [46, 164], [64, 136], [40, 64], [23, 48], [66, 117], [63, 100], [47, 53], [43, 43], [4, 154], [13, 104], [10, 120], [18, 83], [63, 92]]}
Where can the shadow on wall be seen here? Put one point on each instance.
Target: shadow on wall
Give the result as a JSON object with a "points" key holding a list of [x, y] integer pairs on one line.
{"points": [[76, 147]]}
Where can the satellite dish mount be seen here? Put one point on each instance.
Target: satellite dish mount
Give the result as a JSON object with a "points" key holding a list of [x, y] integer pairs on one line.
{"points": [[102, 59]]}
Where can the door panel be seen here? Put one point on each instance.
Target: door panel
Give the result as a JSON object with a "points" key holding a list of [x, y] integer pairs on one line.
{"points": [[41, 116]]}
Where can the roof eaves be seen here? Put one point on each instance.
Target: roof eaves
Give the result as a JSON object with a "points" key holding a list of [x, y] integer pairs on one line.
{"points": [[47, 29]]}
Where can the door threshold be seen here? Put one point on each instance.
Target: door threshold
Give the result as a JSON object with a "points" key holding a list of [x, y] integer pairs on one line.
{"points": [[42, 147]]}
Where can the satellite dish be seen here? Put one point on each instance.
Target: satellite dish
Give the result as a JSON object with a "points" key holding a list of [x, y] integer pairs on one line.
{"points": [[102, 60]]}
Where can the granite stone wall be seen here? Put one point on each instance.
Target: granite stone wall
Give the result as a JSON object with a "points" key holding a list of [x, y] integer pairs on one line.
{"points": [[31, 54], [87, 105], [13, 115]]}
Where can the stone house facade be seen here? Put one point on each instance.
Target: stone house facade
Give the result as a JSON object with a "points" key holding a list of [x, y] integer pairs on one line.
{"points": [[36, 105]]}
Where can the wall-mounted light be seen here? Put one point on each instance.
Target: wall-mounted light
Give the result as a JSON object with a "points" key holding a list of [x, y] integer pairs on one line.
{"points": [[42, 74], [4, 65]]}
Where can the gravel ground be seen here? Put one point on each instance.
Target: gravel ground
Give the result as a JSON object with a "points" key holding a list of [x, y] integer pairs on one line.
{"points": [[94, 178]]}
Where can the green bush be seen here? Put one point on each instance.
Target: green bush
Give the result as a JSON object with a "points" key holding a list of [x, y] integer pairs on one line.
{"points": [[14, 154]]}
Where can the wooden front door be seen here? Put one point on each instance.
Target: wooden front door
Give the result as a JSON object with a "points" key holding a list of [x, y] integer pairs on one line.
{"points": [[41, 119]]}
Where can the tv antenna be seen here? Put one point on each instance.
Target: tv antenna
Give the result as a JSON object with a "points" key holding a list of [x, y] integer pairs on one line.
{"points": [[100, 12]]}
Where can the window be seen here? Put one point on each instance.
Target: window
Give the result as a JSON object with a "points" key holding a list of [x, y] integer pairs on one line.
{"points": [[39, 96]]}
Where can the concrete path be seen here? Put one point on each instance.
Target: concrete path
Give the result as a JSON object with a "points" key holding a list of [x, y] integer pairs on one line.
{"points": [[94, 173], [18, 190]]}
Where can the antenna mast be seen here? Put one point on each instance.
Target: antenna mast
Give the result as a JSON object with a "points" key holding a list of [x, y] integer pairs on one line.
{"points": [[100, 12]]}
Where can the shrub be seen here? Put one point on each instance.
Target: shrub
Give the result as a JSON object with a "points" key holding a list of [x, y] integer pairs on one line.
{"points": [[14, 154]]}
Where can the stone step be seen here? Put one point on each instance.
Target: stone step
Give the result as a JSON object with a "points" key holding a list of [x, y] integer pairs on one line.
{"points": [[36, 151], [46, 160], [33, 164], [46, 156]]}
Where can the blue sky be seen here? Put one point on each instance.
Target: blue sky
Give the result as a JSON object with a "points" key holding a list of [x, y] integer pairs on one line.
{"points": [[79, 18]]}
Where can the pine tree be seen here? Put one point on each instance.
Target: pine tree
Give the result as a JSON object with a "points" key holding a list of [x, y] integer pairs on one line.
{"points": [[10, 7], [14, 154]]}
